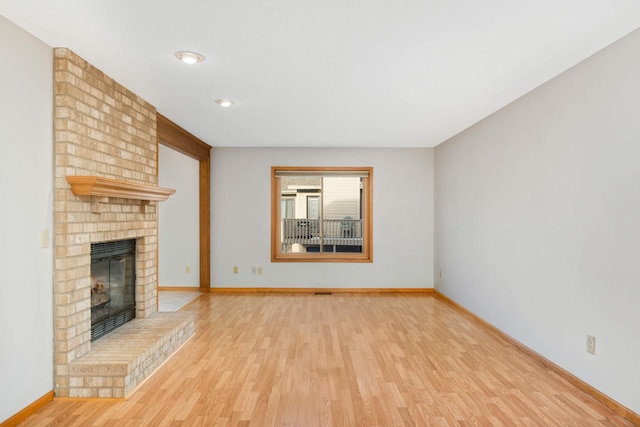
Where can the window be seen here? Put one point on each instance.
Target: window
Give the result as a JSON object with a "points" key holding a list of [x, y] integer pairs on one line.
{"points": [[321, 214], [288, 207]]}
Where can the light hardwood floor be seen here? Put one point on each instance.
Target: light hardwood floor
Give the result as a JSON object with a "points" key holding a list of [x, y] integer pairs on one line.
{"points": [[340, 360]]}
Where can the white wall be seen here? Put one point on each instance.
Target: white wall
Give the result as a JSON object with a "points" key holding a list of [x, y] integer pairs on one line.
{"points": [[178, 220], [538, 219], [402, 219], [26, 147]]}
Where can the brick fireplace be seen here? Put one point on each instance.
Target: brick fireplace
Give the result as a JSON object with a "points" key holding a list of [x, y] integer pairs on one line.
{"points": [[100, 129]]}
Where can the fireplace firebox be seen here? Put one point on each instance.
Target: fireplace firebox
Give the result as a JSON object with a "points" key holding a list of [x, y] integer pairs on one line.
{"points": [[113, 283]]}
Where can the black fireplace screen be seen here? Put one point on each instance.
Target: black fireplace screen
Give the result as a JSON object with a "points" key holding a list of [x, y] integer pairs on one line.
{"points": [[113, 280]]}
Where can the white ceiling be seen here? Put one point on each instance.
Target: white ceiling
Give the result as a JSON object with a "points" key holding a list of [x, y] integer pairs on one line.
{"points": [[329, 73]]}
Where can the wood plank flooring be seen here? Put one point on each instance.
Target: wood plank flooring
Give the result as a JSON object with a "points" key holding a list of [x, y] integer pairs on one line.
{"points": [[340, 360]]}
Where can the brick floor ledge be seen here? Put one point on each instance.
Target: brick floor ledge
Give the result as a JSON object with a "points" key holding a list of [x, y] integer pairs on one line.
{"points": [[121, 360]]}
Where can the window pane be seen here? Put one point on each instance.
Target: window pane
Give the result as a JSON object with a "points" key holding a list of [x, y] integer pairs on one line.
{"points": [[341, 214], [299, 225]]}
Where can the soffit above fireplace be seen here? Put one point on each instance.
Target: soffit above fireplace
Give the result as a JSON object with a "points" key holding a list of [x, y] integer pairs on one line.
{"points": [[106, 187]]}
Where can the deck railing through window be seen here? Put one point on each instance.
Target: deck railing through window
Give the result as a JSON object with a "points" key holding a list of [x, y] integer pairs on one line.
{"points": [[344, 232]]}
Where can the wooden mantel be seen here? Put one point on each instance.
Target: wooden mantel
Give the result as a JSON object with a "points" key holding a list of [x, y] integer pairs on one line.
{"points": [[106, 187]]}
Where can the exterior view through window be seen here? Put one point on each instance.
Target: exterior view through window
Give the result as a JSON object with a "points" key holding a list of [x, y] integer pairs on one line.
{"points": [[321, 214]]}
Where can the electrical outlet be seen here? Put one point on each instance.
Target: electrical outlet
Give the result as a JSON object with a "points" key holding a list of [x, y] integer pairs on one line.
{"points": [[235, 269], [591, 344], [259, 271], [441, 274], [187, 269], [253, 270]]}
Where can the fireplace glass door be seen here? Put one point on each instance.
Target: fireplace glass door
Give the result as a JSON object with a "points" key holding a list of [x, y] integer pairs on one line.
{"points": [[112, 286]]}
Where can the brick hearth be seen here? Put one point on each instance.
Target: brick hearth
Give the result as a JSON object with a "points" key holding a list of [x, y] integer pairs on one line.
{"points": [[118, 362]]}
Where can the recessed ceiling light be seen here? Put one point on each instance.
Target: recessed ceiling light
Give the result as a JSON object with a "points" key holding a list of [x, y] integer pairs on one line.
{"points": [[189, 57], [225, 102]]}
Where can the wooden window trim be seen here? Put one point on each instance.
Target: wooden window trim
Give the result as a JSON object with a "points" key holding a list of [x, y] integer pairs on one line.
{"points": [[367, 245]]}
